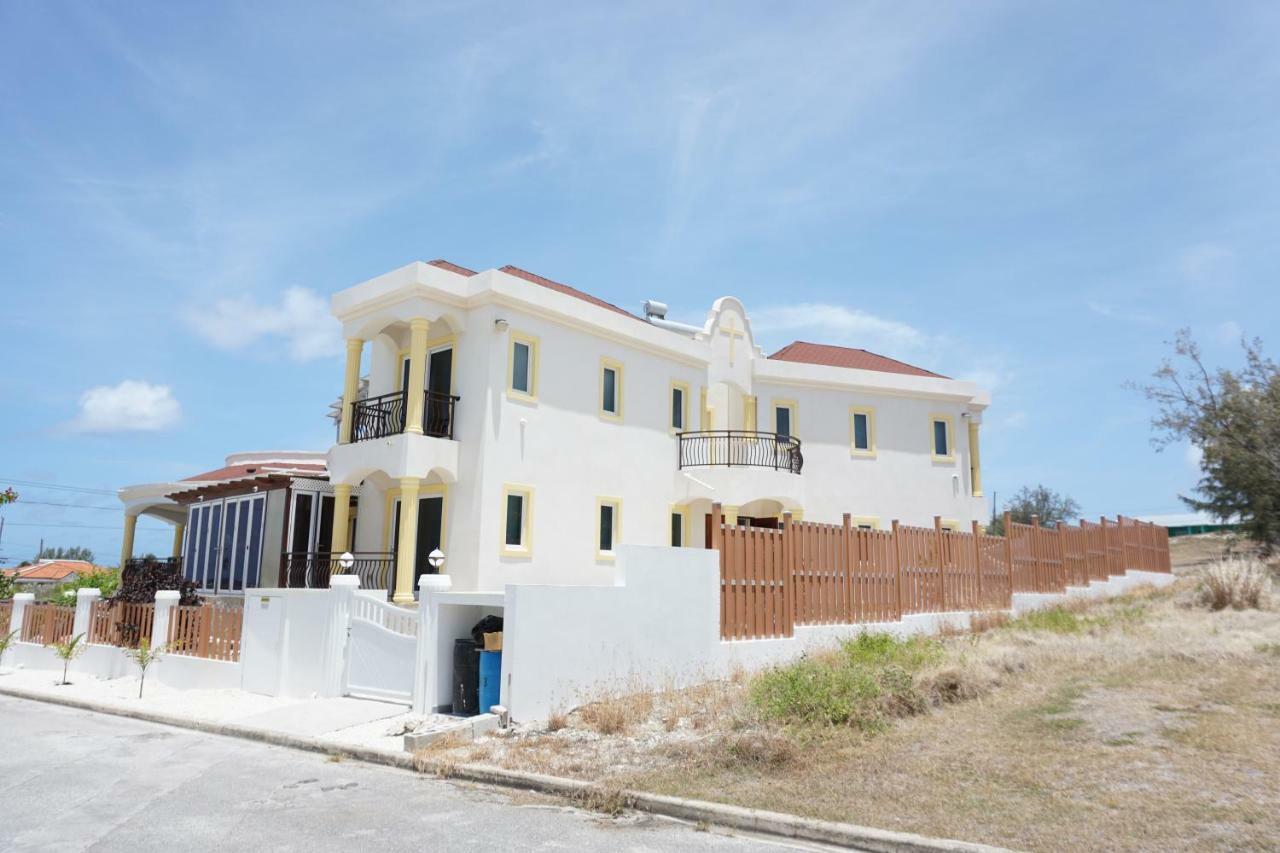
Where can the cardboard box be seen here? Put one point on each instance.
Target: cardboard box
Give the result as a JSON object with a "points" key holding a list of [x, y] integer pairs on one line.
{"points": [[493, 642]]}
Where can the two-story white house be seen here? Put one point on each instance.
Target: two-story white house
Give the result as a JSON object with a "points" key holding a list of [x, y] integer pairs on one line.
{"points": [[525, 428]]}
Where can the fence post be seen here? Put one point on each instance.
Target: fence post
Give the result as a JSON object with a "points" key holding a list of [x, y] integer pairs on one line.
{"points": [[84, 611], [940, 563], [1036, 550], [20, 602], [1063, 575], [1008, 550], [343, 589], [788, 573], [897, 563], [977, 562], [166, 600], [426, 672], [849, 584]]}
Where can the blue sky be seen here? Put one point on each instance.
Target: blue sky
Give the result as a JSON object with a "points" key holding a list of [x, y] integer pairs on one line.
{"points": [[1032, 195]]}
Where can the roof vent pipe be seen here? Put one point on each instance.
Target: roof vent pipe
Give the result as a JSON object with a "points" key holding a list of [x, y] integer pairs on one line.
{"points": [[656, 313]]}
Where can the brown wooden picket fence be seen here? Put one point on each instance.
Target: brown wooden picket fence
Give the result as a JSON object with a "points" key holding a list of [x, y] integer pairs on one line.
{"points": [[206, 631], [121, 624], [47, 623], [808, 573], [6, 616]]}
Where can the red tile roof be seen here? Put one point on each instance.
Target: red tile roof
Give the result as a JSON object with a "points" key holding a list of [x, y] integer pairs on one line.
{"points": [[451, 267], [53, 570], [859, 359], [567, 290]]}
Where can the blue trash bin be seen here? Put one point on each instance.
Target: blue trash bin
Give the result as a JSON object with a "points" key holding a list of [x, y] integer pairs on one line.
{"points": [[490, 680]]}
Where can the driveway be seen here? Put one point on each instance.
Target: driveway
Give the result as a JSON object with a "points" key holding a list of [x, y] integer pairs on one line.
{"points": [[75, 780]]}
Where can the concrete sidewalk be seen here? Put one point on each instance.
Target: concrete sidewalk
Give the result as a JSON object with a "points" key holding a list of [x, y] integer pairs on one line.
{"points": [[344, 722]]}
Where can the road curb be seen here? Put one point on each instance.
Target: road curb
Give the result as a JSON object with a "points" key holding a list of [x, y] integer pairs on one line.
{"points": [[698, 811]]}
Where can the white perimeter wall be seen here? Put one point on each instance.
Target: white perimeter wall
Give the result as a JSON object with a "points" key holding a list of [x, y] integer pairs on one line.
{"points": [[565, 645]]}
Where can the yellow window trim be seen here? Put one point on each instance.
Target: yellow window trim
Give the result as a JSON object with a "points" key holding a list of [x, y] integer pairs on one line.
{"points": [[525, 549], [535, 345], [616, 503], [425, 490], [684, 403], [681, 510], [704, 414], [792, 406], [872, 521], [951, 438], [618, 386], [951, 524], [870, 451]]}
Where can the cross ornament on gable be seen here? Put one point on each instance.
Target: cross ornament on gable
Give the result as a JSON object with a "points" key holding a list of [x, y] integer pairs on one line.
{"points": [[731, 333]]}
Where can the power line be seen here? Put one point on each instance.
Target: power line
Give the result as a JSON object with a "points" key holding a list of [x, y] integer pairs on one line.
{"points": [[62, 487], [22, 501], [84, 526]]}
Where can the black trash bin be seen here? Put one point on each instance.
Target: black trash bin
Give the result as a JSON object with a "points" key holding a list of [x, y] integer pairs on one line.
{"points": [[466, 678]]}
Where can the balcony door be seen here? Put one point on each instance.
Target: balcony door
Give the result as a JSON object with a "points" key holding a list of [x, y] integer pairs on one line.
{"points": [[440, 384], [224, 547], [430, 533]]}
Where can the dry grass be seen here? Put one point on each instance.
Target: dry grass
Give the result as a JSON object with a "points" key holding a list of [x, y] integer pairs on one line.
{"points": [[557, 720], [1236, 582], [1141, 723]]}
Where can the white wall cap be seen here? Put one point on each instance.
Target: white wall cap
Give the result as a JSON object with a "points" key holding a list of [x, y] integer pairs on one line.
{"points": [[435, 583], [24, 596], [344, 580], [167, 595], [88, 592]]}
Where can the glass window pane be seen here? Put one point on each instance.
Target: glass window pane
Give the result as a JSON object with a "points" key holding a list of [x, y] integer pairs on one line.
{"points": [[861, 439], [782, 418], [606, 527], [677, 530], [520, 367], [515, 520], [940, 438], [677, 408], [609, 400]]}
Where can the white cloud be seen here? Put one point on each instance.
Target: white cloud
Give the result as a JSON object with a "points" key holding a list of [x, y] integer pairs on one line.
{"points": [[1206, 263], [1194, 456], [133, 405], [838, 324], [301, 319]]}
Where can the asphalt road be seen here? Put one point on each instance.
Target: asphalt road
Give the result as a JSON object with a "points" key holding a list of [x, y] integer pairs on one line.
{"points": [[74, 780]]}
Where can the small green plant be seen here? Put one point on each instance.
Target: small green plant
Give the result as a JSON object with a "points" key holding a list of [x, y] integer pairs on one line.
{"points": [[144, 656], [1058, 620], [6, 641], [68, 649]]}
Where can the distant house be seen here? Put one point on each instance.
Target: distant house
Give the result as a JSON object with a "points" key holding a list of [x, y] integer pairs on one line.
{"points": [[1191, 523], [47, 574]]}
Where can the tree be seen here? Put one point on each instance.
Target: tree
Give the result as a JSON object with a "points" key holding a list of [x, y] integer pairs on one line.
{"points": [[106, 580], [1233, 418], [8, 496], [1040, 502], [7, 587], [144, 656], [75, 552], [67, 649]]}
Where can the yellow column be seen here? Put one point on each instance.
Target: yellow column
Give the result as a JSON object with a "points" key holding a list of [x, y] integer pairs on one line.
{"points": [[975, 460], [178, 530], [126, 547], [797, 515], [730, 515], [749, 413], [350, 387], [704, 414], [416, 399], [406, 552], [341, 518]]}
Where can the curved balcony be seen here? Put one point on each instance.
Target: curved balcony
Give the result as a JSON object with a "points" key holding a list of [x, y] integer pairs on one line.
{"points": [[737, 448], [384, 415], [312, 569]]}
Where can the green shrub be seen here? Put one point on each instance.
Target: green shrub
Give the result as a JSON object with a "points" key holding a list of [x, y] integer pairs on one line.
{"points": [[107, 580], [871, 677]]}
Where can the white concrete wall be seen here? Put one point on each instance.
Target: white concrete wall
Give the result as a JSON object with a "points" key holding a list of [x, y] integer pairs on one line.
{"points": [[659, 626]]}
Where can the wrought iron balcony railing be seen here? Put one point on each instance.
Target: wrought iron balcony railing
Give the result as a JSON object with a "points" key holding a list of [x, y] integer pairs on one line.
{"points": [[312, 569], [384, 415], [736, 448]]}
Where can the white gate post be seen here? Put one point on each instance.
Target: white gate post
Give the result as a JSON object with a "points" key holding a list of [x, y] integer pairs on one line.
{"points": [[427, 658], [84, 611], [343, 589], [166, 600], [20, 602]]}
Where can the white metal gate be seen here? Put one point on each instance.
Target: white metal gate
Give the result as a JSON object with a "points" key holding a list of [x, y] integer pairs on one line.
{"points": [[381, 649]]}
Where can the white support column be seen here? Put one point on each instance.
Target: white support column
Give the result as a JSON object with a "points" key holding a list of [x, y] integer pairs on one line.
{"points": [[428, 655], [166, 600], [415, 393], [350, 387], [126, 543], [343, 589], [84, 611]]}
